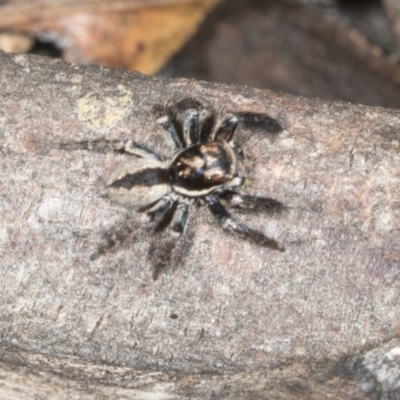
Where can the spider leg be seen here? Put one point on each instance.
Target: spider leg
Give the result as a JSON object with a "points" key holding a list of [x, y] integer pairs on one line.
{"points": [[238, 181], [191, 126], [233, 199], [103, 145], [185, 123], [185, 117], [161, 252], [170, 134], [159, 209], [113, 240], [228, 223], [260, 121], [180, 123], [197, 125], [207, 123], [228, 126], [157, 212], [179, 219]]}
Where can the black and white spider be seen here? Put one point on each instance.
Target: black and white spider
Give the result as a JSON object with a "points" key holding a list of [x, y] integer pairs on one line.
{"points": [[203, 169]]}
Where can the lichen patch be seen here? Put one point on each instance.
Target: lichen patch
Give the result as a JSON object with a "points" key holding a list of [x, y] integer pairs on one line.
{"points": [[104, 113]]}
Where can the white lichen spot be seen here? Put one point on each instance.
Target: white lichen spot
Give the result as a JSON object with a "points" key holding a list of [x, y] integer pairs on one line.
{"points": [[393, 355], [288, 143], [51, 208], [384, 221], [104, 113]]}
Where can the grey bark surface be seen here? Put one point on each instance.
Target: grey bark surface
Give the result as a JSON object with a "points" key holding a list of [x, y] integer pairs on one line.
{"points": [[232, 320]]}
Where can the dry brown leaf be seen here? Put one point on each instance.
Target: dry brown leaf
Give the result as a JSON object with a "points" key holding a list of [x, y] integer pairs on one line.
{"points": [[14, 42], [136, 35]]}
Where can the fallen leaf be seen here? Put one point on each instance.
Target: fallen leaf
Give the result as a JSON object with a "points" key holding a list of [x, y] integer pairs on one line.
{"points": [[134, 35]]}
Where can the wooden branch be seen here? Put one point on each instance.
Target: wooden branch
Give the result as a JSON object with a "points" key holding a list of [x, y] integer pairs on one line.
{"points": [[234, 319]]}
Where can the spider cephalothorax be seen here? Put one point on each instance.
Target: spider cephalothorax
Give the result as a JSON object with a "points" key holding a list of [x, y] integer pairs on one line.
{"points": [[204, 167]]}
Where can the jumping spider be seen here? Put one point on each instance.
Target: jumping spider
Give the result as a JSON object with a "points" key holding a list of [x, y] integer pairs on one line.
{"points": [[204, 169]]}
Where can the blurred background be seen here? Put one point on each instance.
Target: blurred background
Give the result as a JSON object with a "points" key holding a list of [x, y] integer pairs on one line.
{"points": [[334, 50]]}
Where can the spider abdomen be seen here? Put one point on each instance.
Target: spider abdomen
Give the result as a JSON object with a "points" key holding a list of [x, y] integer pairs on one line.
{"points": [[200, 169], [139, 182]]}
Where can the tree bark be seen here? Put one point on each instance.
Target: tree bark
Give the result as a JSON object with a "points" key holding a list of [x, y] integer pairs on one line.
{"points": [[229, 319]]}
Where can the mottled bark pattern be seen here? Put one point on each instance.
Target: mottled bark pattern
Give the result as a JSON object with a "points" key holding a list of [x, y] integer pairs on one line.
{"points": [[236, 320]]}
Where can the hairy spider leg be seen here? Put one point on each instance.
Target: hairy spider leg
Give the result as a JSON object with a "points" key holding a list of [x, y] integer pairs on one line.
{"points": [[131, 147], [179, 219], [186, 123], [207, 125], [161, 253], [227, 128], [260, 121], [114, 239], [159, 209], [191, 128], [171, 119], [249, 119], [228, 223], [156, 213], [103, 145], [233, 199], [170, 134]]}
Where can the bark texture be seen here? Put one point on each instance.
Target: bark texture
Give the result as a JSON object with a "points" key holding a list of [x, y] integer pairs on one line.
{"points": [[231, 320]]}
